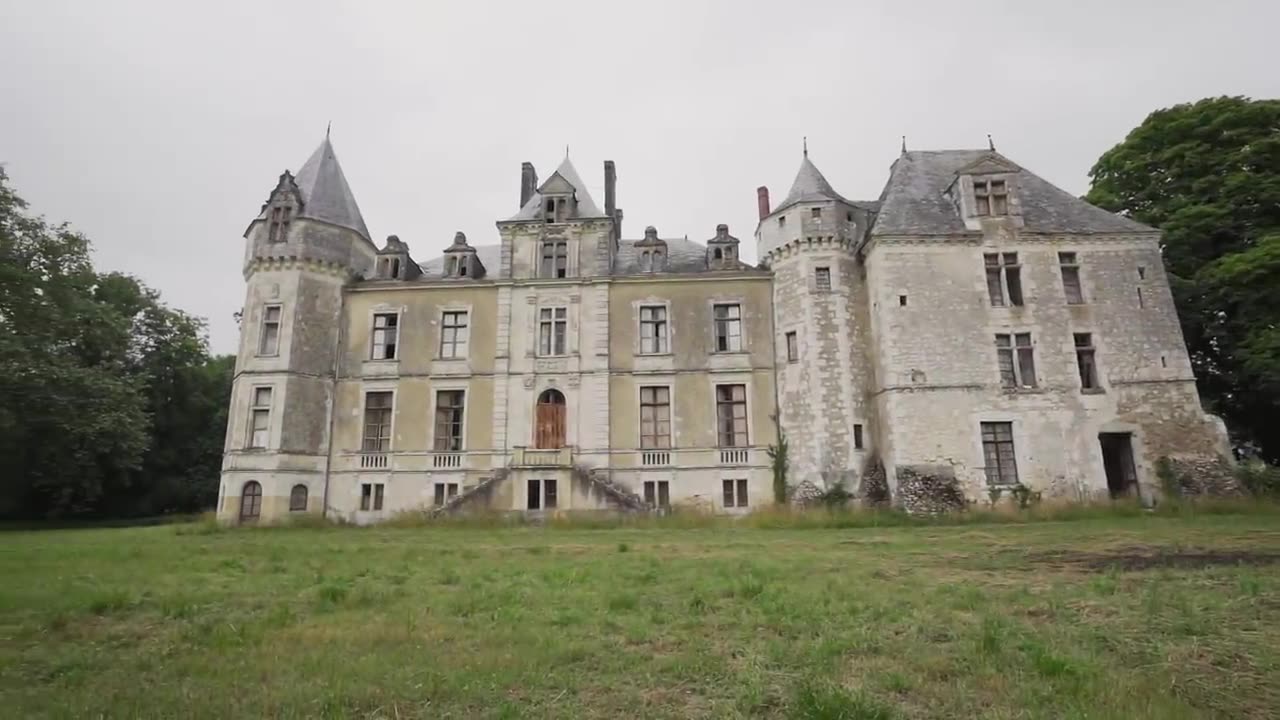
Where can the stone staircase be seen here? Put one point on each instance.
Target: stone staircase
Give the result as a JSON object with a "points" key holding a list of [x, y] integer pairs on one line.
{"points": [[481, 490], [619, 495]]}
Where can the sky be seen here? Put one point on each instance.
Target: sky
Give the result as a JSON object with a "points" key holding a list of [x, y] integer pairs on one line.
{"points": [[158, 128]]}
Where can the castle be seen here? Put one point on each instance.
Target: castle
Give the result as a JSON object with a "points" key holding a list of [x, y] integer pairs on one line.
{"points": [[975, 325]]}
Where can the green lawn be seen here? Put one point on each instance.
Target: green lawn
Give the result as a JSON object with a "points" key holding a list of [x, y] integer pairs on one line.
{"points": [[1139, 617]]}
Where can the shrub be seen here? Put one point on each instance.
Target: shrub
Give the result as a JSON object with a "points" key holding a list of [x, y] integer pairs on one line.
{"points": [[1259, 478]]}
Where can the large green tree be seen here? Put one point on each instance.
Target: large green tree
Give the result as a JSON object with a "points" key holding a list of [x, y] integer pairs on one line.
{"points": [[1208, 175]]}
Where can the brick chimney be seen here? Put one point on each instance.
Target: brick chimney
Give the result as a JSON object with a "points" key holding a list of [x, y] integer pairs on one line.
{"points": [[762, 201], [528, 182]]}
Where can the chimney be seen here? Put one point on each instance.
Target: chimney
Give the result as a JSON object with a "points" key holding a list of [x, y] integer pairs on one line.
{"points": [[610, 188], [762, 200], [528, 182]]}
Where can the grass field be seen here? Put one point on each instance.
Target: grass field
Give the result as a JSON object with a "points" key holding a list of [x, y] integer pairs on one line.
{"points": [[1129, 617]]}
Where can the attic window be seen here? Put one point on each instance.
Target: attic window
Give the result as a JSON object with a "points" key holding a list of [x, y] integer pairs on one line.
{"points": [[657, 260], [462, 268], [990, 198], [395, 267], [646, 262], [718, 254], [280, 217]]}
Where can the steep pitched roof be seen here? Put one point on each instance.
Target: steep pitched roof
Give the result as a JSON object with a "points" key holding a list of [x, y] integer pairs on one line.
{"points": [[811, 186], [683, 256], [586, 206], [913, 202], [325, 193]]}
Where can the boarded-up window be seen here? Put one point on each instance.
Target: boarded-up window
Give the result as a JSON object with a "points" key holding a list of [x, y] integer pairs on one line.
{"points": [[997, 452], [449, 407], [1086, 361], [1070, 267], [250, 501], [298, 498], [728, 327], [269, 338], [657, 493], [731, 415], [385, 333], [1016, 358], [260, 418], [550, 420], [735, 493], [1004, 279], [553, 328], [653, 329], [377, 422], [453, 334], [655, 417]]}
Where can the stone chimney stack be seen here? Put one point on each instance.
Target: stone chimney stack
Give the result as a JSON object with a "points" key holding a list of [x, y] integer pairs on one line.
{"points": [[610, 188], [528, 182], [762, 201]]}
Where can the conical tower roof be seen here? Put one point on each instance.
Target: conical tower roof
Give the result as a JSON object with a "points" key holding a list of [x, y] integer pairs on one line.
{"points": [[810, 186], [325, 193]]}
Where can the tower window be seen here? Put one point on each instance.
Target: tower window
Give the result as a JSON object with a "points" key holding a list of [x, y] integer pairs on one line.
{"points": [[555, 259], [269, 339], [793, 347], [815, 213], [822, 279], [260, 418], [782, 221], [279, 224]]}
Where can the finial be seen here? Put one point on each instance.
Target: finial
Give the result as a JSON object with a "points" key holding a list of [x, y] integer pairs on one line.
{"points": [[806, 146], [904, 144], [566, 151], [990, 143], [326, 129]]}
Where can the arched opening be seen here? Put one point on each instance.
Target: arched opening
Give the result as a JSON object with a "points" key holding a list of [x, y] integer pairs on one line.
{"points": [[550, 420], [298, 498], [250, 501], [462, 268], [718, 254]]}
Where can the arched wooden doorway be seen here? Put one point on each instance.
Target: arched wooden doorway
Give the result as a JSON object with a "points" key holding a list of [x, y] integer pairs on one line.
{"points": [[549, 421]]}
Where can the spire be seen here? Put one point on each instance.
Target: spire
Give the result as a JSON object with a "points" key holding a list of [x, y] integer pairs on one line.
{"points": [[904, 144], [327, 127], [990, 143], [806, 146], [809, 186], [325, 193]]}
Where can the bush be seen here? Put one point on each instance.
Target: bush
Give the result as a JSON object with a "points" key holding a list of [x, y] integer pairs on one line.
{"points": [[1260, 479]]}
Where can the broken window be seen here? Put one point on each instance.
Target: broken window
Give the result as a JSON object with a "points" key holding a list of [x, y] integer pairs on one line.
{"points": [[555, 259], [1070, 267], [298, 498], [279, 228], [653, 329], [728, 327], [449, 406], [657, 494], [385, 332], [377, 422], [857, 437], [251, 501], [541, 495], [735, 493], [553, 327], [269, 339], [371, 496], [453, 334], [444, 492], [655, 417], [793, 348], [822, 278], [731, 415], [997, 453], [260, 418], [990, 197], [815, 213], [1016, 358], [1004, 278], [1086, 361]]}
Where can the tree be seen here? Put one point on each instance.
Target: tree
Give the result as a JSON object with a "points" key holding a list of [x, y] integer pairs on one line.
{"points": [[1208, 175]]}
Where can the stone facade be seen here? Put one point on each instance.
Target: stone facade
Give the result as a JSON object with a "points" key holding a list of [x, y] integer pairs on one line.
{"points": [[564, 368]]}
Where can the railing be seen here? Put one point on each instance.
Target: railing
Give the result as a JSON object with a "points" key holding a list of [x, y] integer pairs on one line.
{"points": [[446, 460], [543, 457], [655, 457], [373, 460], [734, 456]]}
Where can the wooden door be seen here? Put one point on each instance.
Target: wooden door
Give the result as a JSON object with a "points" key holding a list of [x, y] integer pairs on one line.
{"points": [[549, 422]]}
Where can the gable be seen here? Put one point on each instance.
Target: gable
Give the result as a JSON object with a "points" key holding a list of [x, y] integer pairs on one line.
{"points": [[991, 164], [557, 185]]}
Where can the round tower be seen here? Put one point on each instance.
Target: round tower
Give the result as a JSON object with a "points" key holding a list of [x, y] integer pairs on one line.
{"points": [[810, 241], [306, 244]]}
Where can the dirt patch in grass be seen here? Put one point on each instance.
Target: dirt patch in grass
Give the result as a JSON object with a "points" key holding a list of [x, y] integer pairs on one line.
{"points": [[1147, 557]]}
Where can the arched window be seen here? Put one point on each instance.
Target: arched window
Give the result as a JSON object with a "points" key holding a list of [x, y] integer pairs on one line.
{"points": [[646, 261], [658, 260], [250, 501], [298, 498], [718, 254], [549, 428], [395, 267]]}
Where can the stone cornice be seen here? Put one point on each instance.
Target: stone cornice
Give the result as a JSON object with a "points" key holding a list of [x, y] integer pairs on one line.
{"points": [[297, 262], [809, 244]]}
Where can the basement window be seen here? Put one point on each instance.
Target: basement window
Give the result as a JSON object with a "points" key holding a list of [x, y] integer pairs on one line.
{"points": [[371, 496], [445, 492]]}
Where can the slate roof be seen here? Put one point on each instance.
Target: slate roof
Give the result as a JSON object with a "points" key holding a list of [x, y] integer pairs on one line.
{"points": [[683, 256], [325, 193], [811, 186], [913, 203], [586, 206], [489, 255]]}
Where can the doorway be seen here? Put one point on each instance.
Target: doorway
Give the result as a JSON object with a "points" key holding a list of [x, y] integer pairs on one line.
{"points": [[1117, 460], [549, 421]]}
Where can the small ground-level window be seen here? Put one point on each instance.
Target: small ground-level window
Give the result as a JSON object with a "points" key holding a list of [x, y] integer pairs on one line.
{"points": [[251, 500], [657, 493], [371, 496], [298, 498], [445, 492], [735, 493], [541, 495]]}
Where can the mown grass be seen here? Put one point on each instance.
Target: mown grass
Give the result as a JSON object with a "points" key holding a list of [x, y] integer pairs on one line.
{"points": [[778, 616]]}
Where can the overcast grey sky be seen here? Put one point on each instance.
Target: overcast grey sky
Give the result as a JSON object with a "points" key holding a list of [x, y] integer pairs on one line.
{"points": [[159, 127]]}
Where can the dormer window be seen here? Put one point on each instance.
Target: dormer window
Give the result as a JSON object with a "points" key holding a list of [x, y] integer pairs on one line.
{"points": [[279, 228], [395, 267], [658, 260], [990, 198], [717, 254], [462, 268]]}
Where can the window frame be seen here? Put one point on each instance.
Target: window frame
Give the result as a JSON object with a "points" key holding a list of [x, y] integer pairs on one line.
{"points": [[792, 344], [858, 437], [822, 278], [553, 259], [389, 330], [380, 440], [294, 506], [732, 432], [995, 445], [551, 318], [1087, 362], [732, 325], [734, 493], [660, 400], [457, 420], [1015, 359], [988, 200], [278, 222], [1069, 266], [256, 410], [275, 325], [257, 501], [450, 332], [443, 492], [1003, 279], [546, 497], [660, 337], [657, 494]]}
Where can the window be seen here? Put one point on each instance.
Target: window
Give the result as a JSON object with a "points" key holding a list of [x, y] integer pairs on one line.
{"points": [[1017, 361], [384, 336], [657, 494], [902, 301], [822, 278], [848, 216], [655, 417], [453, 334], [1086, 361], [371, 496], [260, 418], [269, 339], [793, 347], [444, 492], [815, 213], [1141, 302], [541, 495], [377, 421], [653, 329], [1142, 272], [395, 267], [555, 259], [997, 453], [857, 437], [646, 262], [1004, 278], [782, 221], [449, 404], [731, 415], [659, 262], [251, 500], [1070, 277], [279, 228], [990, 197], [553, 324], [298, 498], [728, 327], [735, 493]]}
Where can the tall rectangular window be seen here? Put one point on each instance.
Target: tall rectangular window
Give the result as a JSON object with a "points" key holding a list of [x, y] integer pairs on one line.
{"points": [[793, 347], [453, 334], [555, 259], [731, 415], [371, 496], [857, 437], [260, 418], [449, 406], [1004, 279], [444, 492], [653, 329], [997, 453], [655, 417], [1086, 361], [1016, 358], [279, 228], [657, 493], [1070, 267], [377, 421], [822, 279], [990, 197], [553, 327], [385, 333], [269, 338], [735, 493], [728, 327]]}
